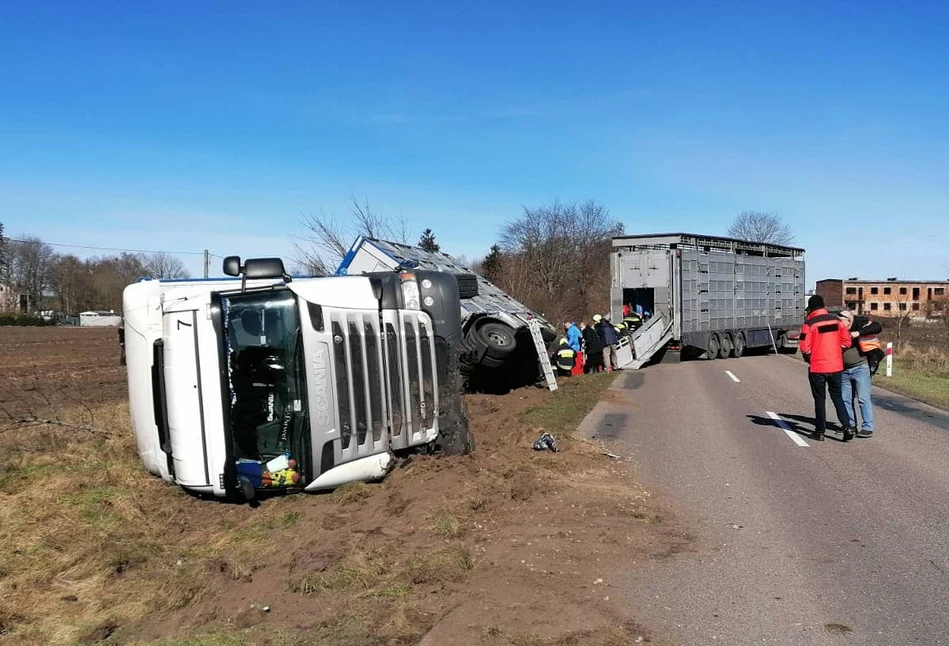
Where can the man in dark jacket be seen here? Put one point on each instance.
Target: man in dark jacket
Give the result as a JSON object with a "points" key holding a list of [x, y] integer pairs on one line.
{"points": [[823, 338], [856, 377], [593, 348], [609, 338]]}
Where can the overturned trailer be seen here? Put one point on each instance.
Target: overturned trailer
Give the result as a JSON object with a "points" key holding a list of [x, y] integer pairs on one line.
{"points": [[261, 383], [708, 296], [497, 343]]}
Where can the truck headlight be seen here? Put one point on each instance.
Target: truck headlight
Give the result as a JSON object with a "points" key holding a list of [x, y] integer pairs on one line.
{"points": [[410, 293]]}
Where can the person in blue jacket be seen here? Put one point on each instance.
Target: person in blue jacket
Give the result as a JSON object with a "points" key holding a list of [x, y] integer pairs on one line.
{"points": [[574, 335]]}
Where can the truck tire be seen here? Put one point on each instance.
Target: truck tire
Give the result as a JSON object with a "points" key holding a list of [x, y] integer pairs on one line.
{"points": [[714, 346], [739, 345], [728, 346], [497, 338], [467, 285]]}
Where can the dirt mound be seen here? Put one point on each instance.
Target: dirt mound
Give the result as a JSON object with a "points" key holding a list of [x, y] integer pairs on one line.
{"points": [[504, 546]]}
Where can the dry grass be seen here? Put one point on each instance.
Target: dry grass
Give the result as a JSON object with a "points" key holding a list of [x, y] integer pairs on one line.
{"points": [[351, 493], [920, 374], [447, 525], [89, 541]]}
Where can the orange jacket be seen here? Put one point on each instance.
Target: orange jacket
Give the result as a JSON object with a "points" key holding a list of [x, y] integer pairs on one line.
{"points": [[823, 339]]}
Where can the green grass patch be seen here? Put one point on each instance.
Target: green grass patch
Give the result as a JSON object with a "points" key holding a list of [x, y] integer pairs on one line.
{"points": [[562, 413], [931, 387]]}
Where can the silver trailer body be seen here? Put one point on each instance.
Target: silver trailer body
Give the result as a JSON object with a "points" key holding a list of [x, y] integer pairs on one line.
{"points": [[495, 325], [714, 295]]}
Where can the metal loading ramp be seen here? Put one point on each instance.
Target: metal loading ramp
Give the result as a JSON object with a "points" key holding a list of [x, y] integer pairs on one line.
{"points": [[635, 351]]}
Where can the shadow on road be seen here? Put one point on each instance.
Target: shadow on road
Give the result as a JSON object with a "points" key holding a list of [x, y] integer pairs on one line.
{"points": [[794, 423]]}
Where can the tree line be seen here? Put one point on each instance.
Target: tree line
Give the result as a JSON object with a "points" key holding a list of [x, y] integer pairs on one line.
{"points": [[47, 280]]}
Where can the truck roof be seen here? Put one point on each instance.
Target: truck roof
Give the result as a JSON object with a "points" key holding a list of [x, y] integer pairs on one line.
{"points": [[694, 240]]}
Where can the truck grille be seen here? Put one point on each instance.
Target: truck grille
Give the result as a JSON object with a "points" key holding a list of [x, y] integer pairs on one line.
{"points": [[385, 383]]}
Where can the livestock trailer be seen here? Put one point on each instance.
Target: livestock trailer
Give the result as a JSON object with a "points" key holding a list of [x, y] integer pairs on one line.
{"points": [[709, 295]]}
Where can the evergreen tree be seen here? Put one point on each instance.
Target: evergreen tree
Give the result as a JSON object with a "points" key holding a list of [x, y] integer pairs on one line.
{"points": [[491, 265], [427, 241]]}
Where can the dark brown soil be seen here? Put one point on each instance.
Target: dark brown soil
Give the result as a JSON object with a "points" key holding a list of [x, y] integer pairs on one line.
{"points": [[504, 546]]}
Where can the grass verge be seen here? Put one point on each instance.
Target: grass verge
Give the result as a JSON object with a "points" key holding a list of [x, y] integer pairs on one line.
{"points": [[931, 387], [562, 413]]}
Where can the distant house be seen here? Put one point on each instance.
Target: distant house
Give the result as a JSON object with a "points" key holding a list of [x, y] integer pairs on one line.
{"points": [[890, 297], [10, 299], [100, 319]]}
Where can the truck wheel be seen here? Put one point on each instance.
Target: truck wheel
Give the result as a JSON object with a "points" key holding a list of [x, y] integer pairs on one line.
{"points": [[739, 345], [714, 347], [727, 346], [497, 337]]}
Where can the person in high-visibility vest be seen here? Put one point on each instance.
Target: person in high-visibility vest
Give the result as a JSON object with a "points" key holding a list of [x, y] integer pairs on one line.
{"points": [[857, 368], [564, 358], [632, 321]]}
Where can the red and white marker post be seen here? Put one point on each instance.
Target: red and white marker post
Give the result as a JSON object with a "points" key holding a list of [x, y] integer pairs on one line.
{"points": [[889, 359]]}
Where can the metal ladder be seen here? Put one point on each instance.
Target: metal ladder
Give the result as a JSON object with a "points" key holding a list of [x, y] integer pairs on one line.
{"points": [[534, 326]]}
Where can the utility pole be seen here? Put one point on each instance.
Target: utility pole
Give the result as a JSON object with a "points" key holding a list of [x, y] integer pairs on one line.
{"points": [[207, 263]]}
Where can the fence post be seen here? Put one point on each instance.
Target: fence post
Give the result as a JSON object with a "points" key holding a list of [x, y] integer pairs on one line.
{"points": [[889, 359]]}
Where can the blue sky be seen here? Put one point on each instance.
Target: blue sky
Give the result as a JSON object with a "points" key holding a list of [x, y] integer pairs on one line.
{"points": [[185, 126]]}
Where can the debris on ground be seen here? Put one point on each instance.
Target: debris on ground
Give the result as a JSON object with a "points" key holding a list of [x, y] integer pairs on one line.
{"points": [[546, 442]]}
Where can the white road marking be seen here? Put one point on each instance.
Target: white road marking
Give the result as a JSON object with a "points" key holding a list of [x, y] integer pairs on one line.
{"points": [[787, 429], [732, 375]]}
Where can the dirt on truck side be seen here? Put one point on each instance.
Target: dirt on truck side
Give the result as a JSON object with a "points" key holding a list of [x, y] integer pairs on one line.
{"points": [[506, 545]]}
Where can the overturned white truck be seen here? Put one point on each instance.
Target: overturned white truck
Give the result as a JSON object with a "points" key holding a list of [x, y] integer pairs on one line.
{"points": [[262, 383], [497, 349]]}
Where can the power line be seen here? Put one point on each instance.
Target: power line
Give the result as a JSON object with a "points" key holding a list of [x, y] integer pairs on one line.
{"points": [[82, 246]]}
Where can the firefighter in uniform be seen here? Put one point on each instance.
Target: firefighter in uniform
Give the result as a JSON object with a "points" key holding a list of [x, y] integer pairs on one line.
{"points": [[564, 358]]}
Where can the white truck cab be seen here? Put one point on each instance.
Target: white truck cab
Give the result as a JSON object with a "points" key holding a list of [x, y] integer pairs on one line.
{"points": [[263, 383]]}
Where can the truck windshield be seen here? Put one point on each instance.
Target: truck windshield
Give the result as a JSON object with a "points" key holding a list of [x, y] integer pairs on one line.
{"points": [[265, 377]]}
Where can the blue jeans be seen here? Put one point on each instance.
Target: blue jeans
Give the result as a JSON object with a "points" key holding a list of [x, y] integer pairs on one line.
{"points": [[857, 379]]}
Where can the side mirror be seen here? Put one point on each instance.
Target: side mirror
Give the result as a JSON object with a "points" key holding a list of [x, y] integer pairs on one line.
{"points": [[264, 268], [232, 266]]}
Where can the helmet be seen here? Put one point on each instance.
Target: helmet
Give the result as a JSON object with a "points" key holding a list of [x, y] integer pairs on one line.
{"points": [[563, 342], [597, 318]]}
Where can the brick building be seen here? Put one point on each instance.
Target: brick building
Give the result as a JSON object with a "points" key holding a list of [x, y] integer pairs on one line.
{"points": [[890, 297]]}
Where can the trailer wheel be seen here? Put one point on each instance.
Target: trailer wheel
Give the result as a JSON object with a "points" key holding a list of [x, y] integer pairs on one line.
{"points": [[739, 345], [728, 346], [714, 347], [497, 337]]}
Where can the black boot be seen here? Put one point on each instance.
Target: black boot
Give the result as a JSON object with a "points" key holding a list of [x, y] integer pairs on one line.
{"points": [[849, 432], [818, 436]]}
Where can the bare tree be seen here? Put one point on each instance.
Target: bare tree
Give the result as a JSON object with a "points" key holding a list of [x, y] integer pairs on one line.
{"points": [[3, 251], [30, 271], [761, 226], [328, 239], [165, 266], [566, 251]]}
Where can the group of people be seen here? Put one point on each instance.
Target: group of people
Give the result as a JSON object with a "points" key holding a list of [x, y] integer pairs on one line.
{"points": [[587, 348], [842, 352]]}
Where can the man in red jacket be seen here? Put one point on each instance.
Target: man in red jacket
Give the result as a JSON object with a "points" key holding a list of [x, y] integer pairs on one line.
{"points": [[823, 339]]}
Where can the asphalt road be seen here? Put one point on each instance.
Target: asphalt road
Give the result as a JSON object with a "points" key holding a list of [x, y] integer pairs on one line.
{"points": [[797, 542]]}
